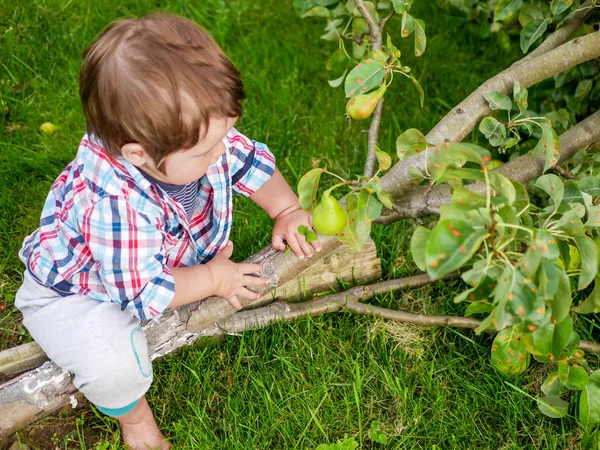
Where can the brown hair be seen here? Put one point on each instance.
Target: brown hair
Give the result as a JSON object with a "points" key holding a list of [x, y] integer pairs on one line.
{"points": [[156, 81]]}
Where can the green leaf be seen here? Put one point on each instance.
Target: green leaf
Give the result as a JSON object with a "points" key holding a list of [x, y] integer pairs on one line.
{"points": [[493, 130], [592, 303], [480, 307], [520, 96], [583, 88], [338, 61], [367, 75], [548, 145], [369, 207], [553, 186], [418, 244], [570, 223], [553, 406], [523, 300], [562, 298], [552, 385], [452, 243], [401, 6], [408, 25], [531, 33], [559, 6], [393, 50], [338, 81], [419, 89], [303, 6], [548, 279], [384, 160], [420, 37], [589, 185], [384, 197], [332, 30], [410, 142], [572, 376], [311, 236], [589, 261], [376, 434], [454, 153], [561, 335], [506, 9], [509, 355], [530, 13], [307, 189], [589, 402], [496, 100]]}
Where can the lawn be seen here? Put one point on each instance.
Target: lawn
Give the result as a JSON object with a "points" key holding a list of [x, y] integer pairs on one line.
{"points": [[313, 381]]}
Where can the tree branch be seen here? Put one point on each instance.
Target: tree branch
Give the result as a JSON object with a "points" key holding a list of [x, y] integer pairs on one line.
{"points": [[376, 44], [462, 119], [521, 169]]}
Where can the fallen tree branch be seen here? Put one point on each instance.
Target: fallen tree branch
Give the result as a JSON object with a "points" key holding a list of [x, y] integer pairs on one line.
{"points": [[521, 169], [462, 119]]}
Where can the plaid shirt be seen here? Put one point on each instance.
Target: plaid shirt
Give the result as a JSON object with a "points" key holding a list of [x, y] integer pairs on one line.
{"points": [[108, 233]]}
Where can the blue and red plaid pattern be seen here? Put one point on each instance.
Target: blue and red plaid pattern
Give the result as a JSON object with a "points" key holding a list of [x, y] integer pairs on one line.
{"points": [[108, 233]]}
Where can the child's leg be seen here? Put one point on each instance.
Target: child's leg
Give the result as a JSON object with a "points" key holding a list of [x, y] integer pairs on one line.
{"points": [[103, 347]]}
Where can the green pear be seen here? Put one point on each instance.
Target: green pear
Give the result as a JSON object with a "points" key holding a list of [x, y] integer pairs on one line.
{"points": [[362, 106], [329, 217]]}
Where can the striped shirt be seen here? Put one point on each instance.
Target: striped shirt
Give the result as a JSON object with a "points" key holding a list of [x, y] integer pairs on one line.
{"points": [[107, 232], [186, 194]]}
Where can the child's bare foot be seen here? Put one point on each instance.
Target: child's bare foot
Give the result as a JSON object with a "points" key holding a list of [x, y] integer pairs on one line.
{"points": [[139, 429]]}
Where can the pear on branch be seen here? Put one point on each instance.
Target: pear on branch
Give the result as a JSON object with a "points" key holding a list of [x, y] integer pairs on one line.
{"points": [[363, 105]]}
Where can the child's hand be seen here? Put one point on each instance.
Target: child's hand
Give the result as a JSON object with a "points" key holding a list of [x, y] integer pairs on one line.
{"points": [[230, 279], [286, 229]]}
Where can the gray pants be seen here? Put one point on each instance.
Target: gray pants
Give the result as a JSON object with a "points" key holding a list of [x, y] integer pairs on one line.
{"points": [[103, 347]]}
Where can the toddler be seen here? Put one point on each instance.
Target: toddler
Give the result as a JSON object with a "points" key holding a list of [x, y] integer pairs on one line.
{"points": [[140, 219]]}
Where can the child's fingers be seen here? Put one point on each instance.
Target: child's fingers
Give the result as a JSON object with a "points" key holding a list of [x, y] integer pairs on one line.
{"points": [[316, 245], [249, 280], [233, 301], [306, 247], [247, 293], [295, 246], [251, 268], [277, 242]]}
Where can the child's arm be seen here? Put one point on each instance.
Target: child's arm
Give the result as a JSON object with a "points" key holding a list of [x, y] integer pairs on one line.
{"points": [[281, 204], [220, 276]]}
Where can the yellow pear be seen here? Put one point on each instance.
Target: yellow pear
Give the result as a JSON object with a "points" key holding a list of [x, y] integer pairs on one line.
{"points": [[362, 106], [48, 128], [329, 217]]}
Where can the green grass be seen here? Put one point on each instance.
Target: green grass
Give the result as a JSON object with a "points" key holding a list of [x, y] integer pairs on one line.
{"points": [[313, 381]]}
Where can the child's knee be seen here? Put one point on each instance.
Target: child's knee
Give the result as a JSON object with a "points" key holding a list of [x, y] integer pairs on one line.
{"points": [[119, 377]]}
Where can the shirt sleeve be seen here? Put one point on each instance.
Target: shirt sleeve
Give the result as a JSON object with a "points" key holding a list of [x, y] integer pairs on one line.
{"points": [[251, 163], [127, 247]]}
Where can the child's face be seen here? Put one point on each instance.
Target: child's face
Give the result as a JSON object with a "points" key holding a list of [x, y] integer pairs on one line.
{"points": [[186, 166]]}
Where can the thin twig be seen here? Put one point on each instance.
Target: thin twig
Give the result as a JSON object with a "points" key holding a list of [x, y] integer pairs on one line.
{"points": [[562, 172], [376, 44], [358, 40], [384, 21]]}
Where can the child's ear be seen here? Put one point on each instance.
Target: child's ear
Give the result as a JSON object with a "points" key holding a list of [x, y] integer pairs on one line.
{"points": [[135, 154]]}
